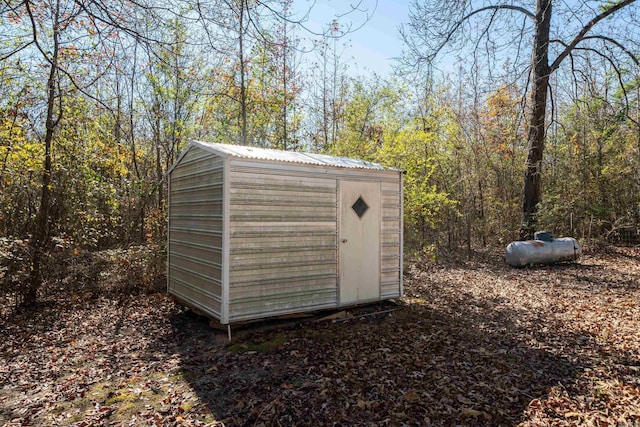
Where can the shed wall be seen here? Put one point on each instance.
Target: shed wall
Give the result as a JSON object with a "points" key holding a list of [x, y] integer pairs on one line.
{"points": [[252, 238], [283, 240], [195, 231], [284, 229], [391, 243]]}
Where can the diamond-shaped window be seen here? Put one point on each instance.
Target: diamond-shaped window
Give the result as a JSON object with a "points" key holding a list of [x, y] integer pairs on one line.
{"points": [[359, 207]]}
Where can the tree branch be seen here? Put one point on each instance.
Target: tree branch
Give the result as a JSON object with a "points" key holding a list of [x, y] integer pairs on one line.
{"points": [[112, 21], [34, 30], [17, 50], [619, 73], [326, 33], [461, 21], [622, 47], [581, 35]]}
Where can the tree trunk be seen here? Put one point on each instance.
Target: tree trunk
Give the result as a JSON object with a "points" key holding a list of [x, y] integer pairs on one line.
{"points": [[157, 137], [176, 128], [284, 89], [536, 131], [325, 102], [243, 89], [134, 157], [39, 238]]}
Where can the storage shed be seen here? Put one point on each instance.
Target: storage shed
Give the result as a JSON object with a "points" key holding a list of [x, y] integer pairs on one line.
{"points": [[255, 232]]}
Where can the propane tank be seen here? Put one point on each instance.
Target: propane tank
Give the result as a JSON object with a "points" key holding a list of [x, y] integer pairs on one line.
{"points": [[544, 249]]}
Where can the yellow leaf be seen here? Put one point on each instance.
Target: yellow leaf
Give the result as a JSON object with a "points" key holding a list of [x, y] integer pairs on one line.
{"points": [[412, 395]]}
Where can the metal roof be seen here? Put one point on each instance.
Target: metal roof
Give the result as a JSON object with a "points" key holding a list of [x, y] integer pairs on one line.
{"points": [[286, 156]]}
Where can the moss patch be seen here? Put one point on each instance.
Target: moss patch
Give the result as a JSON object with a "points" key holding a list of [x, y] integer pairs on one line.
{"points": [[260, 346]]}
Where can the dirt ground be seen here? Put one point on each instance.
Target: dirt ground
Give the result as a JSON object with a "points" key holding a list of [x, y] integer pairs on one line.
{"points": [[471, 343]]}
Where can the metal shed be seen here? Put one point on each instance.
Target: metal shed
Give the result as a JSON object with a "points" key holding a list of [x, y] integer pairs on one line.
{"points": [[255, 233]]}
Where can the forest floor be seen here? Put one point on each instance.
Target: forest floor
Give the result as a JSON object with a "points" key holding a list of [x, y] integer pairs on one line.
{"points": [[471, 343]]}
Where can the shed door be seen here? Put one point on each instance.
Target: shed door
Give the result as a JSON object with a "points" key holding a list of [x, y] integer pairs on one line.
{"points": [[359, 241]]}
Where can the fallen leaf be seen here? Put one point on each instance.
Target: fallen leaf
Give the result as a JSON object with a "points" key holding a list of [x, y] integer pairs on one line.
{"points": [[412, 395], [468, 412], [464, 400]]}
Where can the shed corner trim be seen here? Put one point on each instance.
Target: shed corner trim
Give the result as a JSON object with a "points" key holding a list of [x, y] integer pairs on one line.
{"points": [[226, 239]]}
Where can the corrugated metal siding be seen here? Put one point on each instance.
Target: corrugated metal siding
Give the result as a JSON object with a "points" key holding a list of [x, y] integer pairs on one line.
{"points": [[391, 199], [278, 227], [283, 241], [195, 231], [241, 151]]}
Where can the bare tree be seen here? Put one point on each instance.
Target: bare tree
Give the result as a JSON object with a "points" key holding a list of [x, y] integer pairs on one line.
{"points": [[55, 38], [242, 29], [499, 30]]}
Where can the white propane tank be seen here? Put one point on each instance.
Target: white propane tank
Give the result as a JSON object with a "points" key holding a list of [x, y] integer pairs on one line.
{"points": [[543, 250]]}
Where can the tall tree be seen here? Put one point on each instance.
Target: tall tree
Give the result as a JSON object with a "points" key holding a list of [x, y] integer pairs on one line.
{"points": [[55, 39], [499, 29], [329, 86], [169, 95]]}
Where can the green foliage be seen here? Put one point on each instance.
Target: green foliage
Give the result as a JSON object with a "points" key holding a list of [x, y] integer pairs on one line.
{"points": [[372, 113], [135, 102], [417, 152], [21, 169], [88, 169], [592, 185], [377, 126]]}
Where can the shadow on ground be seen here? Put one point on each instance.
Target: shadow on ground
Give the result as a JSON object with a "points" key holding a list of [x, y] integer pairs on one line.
{"points": [[469, 364], [471, 344]]}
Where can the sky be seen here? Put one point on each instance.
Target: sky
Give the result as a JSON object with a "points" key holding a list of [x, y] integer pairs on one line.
{"points": [[371, 47]]}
